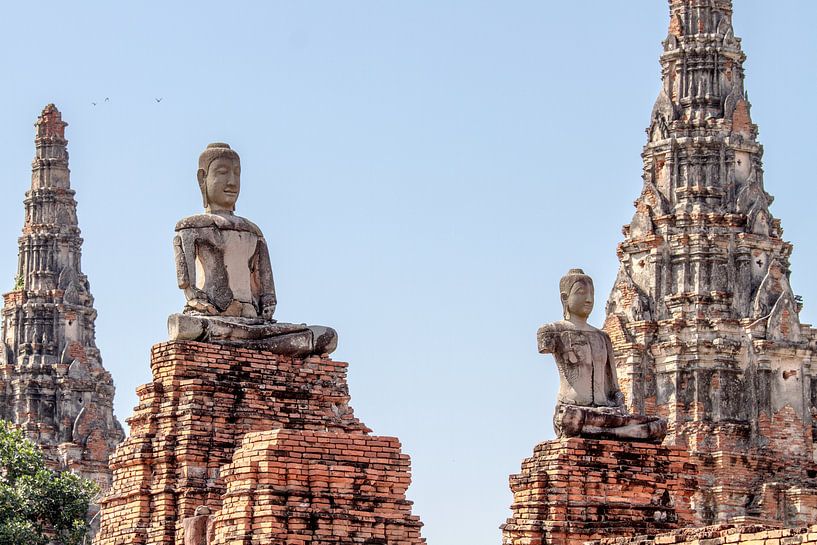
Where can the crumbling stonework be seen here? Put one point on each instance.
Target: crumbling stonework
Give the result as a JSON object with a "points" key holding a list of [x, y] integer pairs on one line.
{"points": [[268, 442], [574, 490], [52, 383], [703, 319], [750, 534]]}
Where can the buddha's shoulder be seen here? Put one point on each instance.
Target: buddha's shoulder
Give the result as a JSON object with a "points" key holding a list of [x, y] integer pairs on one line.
{"points": [[556, 327], [563, 326], [218, 221]]}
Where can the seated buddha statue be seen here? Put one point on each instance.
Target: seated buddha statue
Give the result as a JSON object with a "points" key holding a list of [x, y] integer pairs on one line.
{"points": [[223, 267], [590, 403]]}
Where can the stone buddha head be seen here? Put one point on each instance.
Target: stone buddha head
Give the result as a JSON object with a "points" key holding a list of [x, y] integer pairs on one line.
{"points": [[577, 294], [219, 177]]}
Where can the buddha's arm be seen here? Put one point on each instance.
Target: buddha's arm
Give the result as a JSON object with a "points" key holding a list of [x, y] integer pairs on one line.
{"points": [[547, 339], [615, 392], [182, 274], [184, 251], [263, 284]]}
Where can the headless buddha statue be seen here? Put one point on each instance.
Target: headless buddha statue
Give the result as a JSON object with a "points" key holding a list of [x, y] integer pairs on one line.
{"points": [[590, 402], [223, 266]]}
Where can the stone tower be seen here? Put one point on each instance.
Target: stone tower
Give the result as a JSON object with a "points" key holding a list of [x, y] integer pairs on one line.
{"points": [[53, 384], [704, 321]]}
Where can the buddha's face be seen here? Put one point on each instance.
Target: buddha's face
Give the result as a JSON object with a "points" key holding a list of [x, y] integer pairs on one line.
{"points": [[222, 182], [579, 301]]}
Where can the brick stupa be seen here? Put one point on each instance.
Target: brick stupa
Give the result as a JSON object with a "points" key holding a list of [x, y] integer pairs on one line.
{"points": [[703, 319], [574, 490], [268, 442], [235, 441], [52, 382]]}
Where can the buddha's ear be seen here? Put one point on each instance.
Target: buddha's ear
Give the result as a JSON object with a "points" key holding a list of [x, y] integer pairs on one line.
{"points": [[563, 297], [201, 175]]}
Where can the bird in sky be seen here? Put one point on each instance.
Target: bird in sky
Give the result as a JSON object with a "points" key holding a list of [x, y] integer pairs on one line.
{"points": [[93, 103], [107, 99], [157, 99]]}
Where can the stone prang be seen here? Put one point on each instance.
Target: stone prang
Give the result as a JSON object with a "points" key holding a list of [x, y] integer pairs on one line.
{"points": [[703, 319], [52, 382]]}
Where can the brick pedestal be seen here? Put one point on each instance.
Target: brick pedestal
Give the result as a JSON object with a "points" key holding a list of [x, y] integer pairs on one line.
{"points": [[203, 401], [316, 488], [575, 490]]}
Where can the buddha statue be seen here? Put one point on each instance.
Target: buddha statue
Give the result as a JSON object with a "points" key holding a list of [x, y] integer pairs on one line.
{"points": [[590, 403], [223, 267]]}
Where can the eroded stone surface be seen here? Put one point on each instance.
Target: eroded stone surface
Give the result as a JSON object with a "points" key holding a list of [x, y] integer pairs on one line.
{"points": [[590, 402], [702, 316], [197, 530], [223, 267]]}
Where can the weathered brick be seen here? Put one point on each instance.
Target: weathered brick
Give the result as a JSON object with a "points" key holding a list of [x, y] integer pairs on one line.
{"points": [[224, 427], [613, 488]]}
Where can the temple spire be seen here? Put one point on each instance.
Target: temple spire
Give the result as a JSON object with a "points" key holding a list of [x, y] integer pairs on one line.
{"points": [[52, 382], [50, 165], [50, 124], [702, 65], [700, 18], [704, 321]]}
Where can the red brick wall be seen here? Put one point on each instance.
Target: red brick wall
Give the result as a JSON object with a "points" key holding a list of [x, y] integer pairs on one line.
{"points": [[317, 488], [191, 419], [720, 535], [575, 490]]}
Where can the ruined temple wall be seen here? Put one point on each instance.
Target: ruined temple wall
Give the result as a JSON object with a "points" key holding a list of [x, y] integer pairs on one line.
{"points": [[573, 490], [316, 488], [192, 418], [750, 534]]}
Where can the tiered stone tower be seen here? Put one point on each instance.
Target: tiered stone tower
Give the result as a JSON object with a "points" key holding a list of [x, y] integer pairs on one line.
{"points": [[52, 381], [703, 320]]}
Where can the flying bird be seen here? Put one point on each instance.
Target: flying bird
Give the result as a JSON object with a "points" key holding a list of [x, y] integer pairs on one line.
{"points": [[157, 99], [107, 99], [93, 103]]}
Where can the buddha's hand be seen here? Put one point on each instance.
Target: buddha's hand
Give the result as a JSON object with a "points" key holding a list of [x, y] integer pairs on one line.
{"points": [[203, 306], [268, 311], [268, 304]]}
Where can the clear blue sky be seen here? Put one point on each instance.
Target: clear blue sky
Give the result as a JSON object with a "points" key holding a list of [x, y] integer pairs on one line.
{"points": [[424, 172]]}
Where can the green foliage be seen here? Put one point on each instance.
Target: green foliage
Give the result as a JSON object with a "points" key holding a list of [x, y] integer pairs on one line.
{"points": [[18, 282], [35, 501]]}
